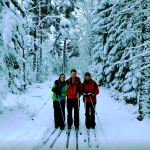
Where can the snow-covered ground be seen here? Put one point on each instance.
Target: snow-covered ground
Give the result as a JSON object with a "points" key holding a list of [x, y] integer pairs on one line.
{"points": [[19, 132]]}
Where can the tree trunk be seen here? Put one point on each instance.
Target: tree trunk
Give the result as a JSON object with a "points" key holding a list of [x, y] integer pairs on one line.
{"points": [[91, 32], [40, 46], [23, 55], [35, 49], [64, 50], [142, 90], [39, 52], [24, 79], [64, 56]]}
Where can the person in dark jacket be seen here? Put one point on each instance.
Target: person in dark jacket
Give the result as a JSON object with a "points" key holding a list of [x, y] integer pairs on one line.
{"points": [[74, 92], [90, 90], [60, 92]]}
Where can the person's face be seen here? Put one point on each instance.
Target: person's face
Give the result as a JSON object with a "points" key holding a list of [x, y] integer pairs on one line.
{"points": [[73, 74], [87, 78], [62, 78]]}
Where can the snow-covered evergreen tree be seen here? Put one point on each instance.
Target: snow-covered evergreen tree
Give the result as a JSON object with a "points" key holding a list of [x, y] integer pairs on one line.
{"points": [[100, 23], [144, 99], [118, 47], [3, 81], [67, 29], [12, 31], [85, 35]]}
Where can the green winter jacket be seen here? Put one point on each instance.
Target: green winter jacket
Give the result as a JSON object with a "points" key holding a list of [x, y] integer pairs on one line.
{"points": [[64, 92]]}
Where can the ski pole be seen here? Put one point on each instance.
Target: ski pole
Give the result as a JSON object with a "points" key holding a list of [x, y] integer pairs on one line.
{"points": [[32, 116], [85, 105], [85, 118], [78, 107], [96, 114], [61, 111], [85, 111]]}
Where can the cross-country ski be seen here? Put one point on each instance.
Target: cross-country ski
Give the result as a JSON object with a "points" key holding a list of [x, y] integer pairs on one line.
{"points": [[52, 144], [88, 137], [50, 136], [77, 139], [68, 136]]}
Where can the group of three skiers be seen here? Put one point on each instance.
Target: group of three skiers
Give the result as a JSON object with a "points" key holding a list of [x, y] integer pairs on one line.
{"points": [[73, 89]]}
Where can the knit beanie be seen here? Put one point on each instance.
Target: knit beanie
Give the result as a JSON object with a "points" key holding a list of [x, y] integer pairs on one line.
{"points": [[87, 74]]}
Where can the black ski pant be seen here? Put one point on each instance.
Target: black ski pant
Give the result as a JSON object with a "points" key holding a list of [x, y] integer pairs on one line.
{"points": [[59, 116], [73, 103], [90, 118]]}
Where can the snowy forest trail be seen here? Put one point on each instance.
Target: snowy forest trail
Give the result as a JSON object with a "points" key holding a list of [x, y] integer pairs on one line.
{"points": [[19, 132]]}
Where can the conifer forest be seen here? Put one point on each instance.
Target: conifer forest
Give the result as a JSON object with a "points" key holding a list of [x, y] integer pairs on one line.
{"points": [[40, 39]]}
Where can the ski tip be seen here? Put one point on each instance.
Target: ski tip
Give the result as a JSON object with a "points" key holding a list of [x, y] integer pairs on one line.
{"points": [[45, 142], [51, 146], [89, 144]]}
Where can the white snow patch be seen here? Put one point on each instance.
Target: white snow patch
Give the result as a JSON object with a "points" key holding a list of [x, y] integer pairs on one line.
{"points": [[118, 121]]}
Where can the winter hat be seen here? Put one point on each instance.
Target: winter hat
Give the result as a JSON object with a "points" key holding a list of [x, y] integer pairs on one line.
{"points": [[87, 74]]}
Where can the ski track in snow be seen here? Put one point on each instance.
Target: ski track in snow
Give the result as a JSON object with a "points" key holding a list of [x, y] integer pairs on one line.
{"points": [[121, 128]]}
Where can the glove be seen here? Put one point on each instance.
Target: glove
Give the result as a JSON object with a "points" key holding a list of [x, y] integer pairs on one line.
{"points": [[59, 93], [56, 91], [84, 94], [90, 94], [57, 82]]}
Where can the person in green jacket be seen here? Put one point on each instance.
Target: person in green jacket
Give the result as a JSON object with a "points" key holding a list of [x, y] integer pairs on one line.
{"points": [[60, 92]]}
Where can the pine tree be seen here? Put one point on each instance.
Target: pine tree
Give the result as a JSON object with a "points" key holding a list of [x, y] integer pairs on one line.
{"points": [[101, 19], [144, 99], [66, 26], [125, 41], [39, 32], [12, 32]]}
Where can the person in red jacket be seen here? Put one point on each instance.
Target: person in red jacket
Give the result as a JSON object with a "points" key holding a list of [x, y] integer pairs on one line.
{"points": [[74, 92], [90, 90]]}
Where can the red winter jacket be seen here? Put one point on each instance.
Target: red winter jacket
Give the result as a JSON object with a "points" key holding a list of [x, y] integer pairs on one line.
{"points": [[74, 89], [89, 87]]}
